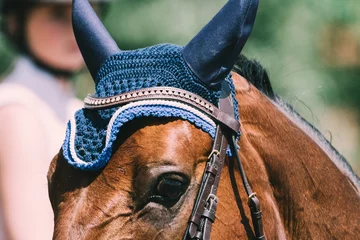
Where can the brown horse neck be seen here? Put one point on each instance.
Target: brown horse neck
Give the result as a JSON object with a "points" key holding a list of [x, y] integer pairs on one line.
{"points": [[314, 197]]}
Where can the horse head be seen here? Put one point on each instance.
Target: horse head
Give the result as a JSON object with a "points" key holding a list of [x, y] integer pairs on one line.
{"points": [[138, 159]]}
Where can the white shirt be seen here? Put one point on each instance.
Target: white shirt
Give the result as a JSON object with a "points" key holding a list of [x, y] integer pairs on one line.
{"points": [[43, 95], [39, 91]]}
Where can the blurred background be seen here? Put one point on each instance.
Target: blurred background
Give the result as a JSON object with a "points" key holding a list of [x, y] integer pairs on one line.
{"points": [[310, 48]]}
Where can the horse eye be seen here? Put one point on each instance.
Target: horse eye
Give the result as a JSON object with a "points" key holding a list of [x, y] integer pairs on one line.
{"points": [[169, 189]]}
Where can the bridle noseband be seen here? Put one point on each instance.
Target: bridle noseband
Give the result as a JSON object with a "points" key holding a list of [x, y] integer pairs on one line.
{"points": [[227, 128]]}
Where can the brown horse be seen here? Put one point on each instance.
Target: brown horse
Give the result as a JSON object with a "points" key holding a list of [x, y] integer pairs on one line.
{"points": [[303, 184], [146, 188]]}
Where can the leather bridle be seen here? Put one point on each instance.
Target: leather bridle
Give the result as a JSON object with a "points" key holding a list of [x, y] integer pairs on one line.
{"points": [[227, 128]]}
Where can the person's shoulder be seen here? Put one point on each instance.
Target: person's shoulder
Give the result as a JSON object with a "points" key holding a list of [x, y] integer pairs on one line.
{"points": [[18, 118], [19, 111], [16, 94], [26, 127], [12, 93], [19, 129]]}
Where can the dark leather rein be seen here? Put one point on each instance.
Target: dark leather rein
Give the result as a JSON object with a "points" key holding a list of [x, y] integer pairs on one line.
{"points": [[227, 128]]}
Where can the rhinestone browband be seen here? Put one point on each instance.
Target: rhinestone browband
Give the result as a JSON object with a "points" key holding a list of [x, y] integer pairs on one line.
{"points": [[163, 93]]}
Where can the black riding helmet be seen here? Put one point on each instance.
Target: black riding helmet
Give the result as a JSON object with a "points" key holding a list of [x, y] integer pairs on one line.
{"points": [[19, 10]]}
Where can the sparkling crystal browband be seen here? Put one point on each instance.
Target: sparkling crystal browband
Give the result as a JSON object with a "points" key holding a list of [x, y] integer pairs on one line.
{"points": [[163, 93], [92, 102]]}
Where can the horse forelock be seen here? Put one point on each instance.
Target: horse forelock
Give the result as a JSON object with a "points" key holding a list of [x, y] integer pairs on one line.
{"points": [[257, 75]]}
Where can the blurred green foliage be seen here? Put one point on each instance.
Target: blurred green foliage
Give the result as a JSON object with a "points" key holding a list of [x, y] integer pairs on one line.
{"points": [[310, 48]]}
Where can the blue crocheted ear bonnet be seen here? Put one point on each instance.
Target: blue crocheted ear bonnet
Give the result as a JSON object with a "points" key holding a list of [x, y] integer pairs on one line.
{"points": [[200, 67], [86, 145]]}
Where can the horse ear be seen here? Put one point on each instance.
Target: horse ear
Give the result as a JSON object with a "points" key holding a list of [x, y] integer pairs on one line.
{"points": [[213, 51], [95, 43]]}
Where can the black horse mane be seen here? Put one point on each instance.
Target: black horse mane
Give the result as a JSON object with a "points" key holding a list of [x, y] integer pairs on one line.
{"points": [[257, 75], [254, 73]]}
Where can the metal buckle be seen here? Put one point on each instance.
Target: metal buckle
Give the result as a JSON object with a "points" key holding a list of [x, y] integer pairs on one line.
{"points": [[216, 152], [210, 208], [212, 197], [251, 196]]}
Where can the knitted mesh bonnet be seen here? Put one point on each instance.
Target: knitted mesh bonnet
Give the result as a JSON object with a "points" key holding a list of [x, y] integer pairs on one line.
{"points": [[91, 133]]}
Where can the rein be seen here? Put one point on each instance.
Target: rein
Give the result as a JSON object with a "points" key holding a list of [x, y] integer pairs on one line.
{"points": [[227, 128]]}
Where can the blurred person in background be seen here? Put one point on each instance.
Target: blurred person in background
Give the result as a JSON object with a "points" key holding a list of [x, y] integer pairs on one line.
{"points": [[36, 101]]}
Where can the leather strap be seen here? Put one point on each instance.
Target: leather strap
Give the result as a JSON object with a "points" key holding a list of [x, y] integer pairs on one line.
{"points": [[203, 214], [225, 105], [165, 93], [254, 203]]}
